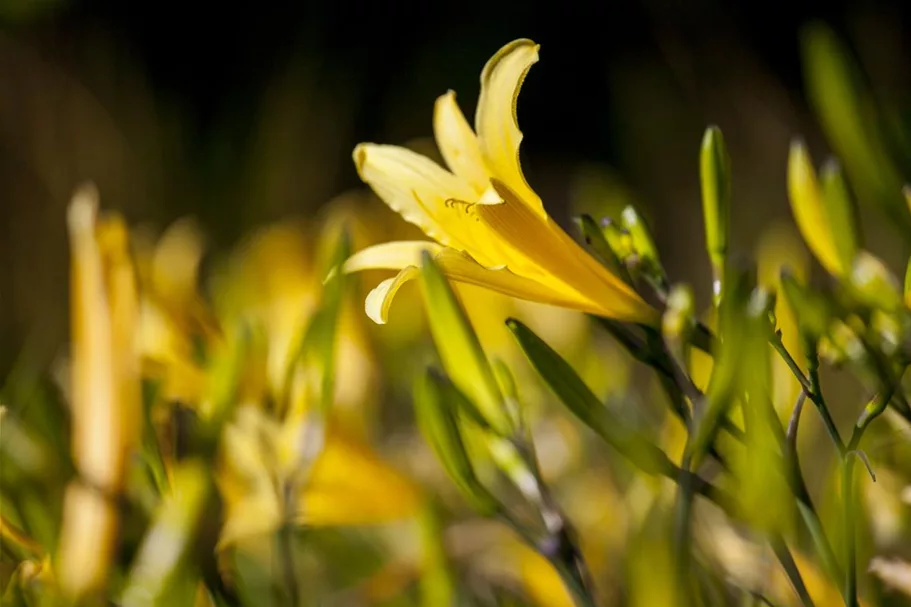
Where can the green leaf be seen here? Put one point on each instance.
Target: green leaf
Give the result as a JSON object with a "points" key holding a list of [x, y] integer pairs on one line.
{"points": [[171, 535], [812, 309], [459, 348], [438, 588], [846, 111], [225, 377], [907, 290], [715, 177], [436, 401], [724, 382], [316, 349], [580, 400]]}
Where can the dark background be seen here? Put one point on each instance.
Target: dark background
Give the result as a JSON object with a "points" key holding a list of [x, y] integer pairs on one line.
{"points": [[243, 113]]}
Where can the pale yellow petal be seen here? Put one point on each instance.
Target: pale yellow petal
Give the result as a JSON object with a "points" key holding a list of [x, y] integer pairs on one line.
{"points": [[390, 255], [123, 299], [95, 432], [380, 298], [87, 540], [458, 143], [571, 271], [496, 122], [427, 195], [413, 186], [460, 267]]}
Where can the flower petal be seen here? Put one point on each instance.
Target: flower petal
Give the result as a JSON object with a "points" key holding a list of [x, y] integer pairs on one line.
{"points": [[495, 120], [380, 298], [413, 186], [458, 143], [462, 268], [569, 268], [427, 195], [390, 255]]}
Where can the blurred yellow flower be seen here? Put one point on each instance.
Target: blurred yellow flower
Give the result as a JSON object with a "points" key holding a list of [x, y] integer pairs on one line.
{"points": [[490, 227], [104, 392], [541, 580], [271, 281], [327, 481], [173, 317]]}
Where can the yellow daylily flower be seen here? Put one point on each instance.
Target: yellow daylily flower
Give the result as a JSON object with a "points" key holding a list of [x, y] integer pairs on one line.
{"points": [[490, 227], [105, 391]]}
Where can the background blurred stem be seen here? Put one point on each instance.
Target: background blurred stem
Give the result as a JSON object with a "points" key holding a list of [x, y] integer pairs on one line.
{"points": [[780, 548], [804, 503], [819, 400], [682, 528], [286, 549], [847, 484]]}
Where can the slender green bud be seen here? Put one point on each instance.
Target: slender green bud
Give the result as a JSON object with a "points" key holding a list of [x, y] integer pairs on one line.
{"points": [[715, 176], [619, 240], [644, 249], [595, 238]]}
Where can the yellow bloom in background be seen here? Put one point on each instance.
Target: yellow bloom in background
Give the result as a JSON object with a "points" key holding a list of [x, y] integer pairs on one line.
{"points": [[779, 248], [104, 392], [490, 227], [173, 315], [332, 481], [270, 280]]}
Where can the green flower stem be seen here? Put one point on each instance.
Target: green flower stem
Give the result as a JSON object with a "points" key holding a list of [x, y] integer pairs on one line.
{"points": [[804, 503], [560, 550], [641, 350], [792, 364], [811, 387], [873, 410], [286, 550], [558, 545], [820, 401]]}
